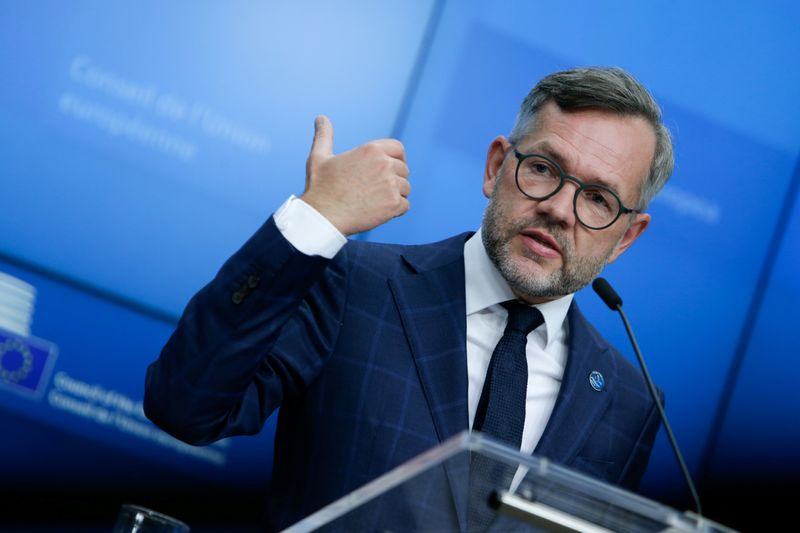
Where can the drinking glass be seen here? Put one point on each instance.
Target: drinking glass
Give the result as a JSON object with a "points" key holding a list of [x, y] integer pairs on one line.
{"points": [[136, 519]]}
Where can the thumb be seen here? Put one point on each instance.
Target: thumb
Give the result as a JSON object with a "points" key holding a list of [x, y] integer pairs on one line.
{"points": [[322, 145]]}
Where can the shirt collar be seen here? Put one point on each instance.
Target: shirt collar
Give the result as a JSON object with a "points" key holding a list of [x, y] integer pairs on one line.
{"points": [[485, 287]]}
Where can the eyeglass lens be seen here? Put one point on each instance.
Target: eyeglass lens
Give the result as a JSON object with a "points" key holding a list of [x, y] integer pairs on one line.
{"points": [[539, 178]]}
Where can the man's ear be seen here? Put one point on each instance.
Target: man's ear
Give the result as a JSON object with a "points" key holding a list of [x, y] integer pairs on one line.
{"points": [[494, 160], [631, 234]]}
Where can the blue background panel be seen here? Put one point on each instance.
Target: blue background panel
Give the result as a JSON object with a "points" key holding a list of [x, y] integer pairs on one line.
{"points": [[94, 386], [117, 96], [759, 433]]}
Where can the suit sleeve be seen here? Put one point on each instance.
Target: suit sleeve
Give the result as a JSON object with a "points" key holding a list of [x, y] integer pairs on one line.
{"points": [[219, 373]]}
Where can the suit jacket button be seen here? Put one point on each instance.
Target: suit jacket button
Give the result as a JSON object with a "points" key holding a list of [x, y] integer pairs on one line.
{"points": [[237, 297], [253, 281]]}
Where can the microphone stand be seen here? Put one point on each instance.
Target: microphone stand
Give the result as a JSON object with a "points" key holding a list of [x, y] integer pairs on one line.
{"points": [[614, 302]]}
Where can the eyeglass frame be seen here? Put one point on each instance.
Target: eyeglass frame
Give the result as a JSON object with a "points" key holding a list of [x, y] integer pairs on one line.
{"points": [[623, 210]]}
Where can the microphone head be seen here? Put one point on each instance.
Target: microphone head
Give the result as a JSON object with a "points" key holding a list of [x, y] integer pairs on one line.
{"points": [[607, 294]]}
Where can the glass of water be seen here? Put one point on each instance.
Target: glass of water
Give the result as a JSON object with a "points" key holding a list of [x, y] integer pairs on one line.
{"points": [[136, 519]]}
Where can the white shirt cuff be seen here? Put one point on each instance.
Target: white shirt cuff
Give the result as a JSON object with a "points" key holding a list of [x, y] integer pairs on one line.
{"points": [[307, 230]]}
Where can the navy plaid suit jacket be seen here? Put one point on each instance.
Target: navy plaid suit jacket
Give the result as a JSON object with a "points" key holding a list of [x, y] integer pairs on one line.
{"points": [[365, 355]]}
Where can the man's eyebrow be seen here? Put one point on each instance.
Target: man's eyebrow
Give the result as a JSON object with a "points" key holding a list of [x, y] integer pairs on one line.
{"points": [[545, 148]]}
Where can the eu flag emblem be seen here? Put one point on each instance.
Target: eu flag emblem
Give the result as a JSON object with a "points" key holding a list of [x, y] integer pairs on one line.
{"points": [[25, 363]]}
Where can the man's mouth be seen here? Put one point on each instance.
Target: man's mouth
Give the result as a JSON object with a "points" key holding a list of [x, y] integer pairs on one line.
{"points": [[541, 243]]}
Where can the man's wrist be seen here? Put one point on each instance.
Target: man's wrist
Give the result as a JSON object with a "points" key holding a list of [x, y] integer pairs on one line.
{"points": [[308, 230]]}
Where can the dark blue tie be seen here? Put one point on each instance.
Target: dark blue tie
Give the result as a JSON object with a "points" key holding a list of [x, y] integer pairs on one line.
{"points": [[501, 410]]}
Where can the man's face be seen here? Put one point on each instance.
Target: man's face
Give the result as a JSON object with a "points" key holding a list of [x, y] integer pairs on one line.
{"points": [[539, 246]]}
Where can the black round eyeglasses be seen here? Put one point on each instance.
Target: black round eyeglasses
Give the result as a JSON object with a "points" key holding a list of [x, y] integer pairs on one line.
{"points": [[595, 206]]}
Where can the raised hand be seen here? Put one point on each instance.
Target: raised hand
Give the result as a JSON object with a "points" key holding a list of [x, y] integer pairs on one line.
{"points": [[356, 190]]}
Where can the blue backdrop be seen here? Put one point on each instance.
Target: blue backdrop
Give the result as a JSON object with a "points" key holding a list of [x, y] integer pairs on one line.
{"points": [[141, 143]]}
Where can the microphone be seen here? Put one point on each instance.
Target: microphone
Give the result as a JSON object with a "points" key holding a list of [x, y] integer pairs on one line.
{"points": [[614, 302]]}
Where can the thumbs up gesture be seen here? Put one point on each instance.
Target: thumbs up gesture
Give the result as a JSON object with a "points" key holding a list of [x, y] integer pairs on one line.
{"points": [[356, 190]]}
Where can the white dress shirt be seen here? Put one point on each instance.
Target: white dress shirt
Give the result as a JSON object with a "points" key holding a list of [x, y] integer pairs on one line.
{"points": [[312, 234], [546, 349]]}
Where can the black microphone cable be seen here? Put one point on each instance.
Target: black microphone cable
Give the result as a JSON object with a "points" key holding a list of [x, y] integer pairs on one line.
{"points": [[614, 302]]}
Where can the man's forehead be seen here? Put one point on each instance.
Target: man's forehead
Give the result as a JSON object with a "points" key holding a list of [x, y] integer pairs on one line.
{"points": [[551, 116]]}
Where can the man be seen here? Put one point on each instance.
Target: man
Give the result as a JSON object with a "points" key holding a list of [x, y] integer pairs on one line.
{"points": [[376, 353]]}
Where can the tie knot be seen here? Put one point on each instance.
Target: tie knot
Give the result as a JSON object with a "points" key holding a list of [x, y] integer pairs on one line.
{"points": [[521, 317]]}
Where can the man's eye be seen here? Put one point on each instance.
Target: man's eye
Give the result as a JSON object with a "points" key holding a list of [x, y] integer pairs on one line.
{"points": [[542, 169], [597, 197]]}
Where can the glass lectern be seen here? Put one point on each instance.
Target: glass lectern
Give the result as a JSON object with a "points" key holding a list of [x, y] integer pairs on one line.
{"points": [[471, 483]]}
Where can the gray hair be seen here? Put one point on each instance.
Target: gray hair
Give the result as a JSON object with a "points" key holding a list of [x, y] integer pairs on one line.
{"points": [[605, 88]]}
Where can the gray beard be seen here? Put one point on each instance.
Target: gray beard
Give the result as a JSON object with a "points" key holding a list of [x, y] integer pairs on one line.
{"points": [[574, 274]]}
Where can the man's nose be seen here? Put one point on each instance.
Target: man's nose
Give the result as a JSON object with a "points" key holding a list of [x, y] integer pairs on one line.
{"points": [[559, 207]]}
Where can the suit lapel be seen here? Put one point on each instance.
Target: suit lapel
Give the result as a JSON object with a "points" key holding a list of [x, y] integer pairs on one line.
{"points": [[430, 298], [578, 406]]}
